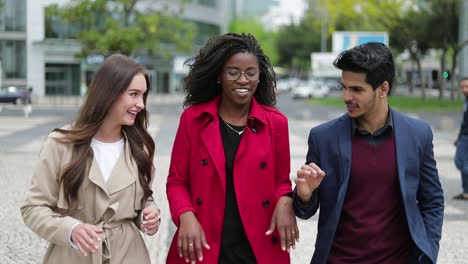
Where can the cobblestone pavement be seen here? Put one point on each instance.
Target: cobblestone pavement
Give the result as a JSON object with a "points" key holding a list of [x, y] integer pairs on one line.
{"points": [[19, 245]]}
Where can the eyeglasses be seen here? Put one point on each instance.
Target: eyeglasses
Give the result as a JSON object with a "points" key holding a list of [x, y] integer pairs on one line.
{"points": [[234, 75]]}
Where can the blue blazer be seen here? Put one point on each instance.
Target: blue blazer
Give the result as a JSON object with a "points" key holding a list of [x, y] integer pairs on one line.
{"points": [[330, 149]]}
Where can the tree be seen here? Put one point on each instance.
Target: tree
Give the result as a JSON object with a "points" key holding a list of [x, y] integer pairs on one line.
{"points": [[444, 35], [408, 32], [296, 42], [118, 26], [265, 38]]}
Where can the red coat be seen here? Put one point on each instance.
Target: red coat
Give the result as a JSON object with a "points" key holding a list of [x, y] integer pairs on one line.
{"points": [[197, 177]]}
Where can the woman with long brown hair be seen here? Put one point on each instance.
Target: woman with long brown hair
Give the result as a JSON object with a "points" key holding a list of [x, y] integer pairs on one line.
{"points": [[91, 187]]}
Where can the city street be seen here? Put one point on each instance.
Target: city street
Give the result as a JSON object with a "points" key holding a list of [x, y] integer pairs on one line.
{"points": [[21, 138]]}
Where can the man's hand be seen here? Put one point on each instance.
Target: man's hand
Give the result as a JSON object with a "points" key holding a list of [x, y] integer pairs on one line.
{"points": [[308, 179]]}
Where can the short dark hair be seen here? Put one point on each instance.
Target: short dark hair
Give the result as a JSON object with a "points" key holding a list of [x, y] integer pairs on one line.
{"points": [[201, 82], [372, 58], [465, 78]]}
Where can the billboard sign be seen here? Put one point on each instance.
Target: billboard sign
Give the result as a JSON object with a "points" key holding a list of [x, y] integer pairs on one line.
{"points": [[343, 40]]}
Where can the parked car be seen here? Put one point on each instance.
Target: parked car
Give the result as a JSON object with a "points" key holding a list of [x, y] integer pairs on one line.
{"points": [[311, 89], [287, 84], [15, 95]]}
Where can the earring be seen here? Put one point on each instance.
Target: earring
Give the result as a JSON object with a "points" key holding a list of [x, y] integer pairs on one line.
{"points": [[258, 81], [219, 81]]}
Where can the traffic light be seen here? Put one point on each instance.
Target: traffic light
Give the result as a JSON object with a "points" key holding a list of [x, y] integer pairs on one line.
{"points": [[435, 75], [447, 75]]}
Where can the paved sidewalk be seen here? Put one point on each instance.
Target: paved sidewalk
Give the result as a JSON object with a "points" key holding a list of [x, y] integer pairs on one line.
{"points": [[19, 245]]}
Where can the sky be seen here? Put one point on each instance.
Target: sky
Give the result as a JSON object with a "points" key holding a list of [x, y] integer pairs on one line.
{"points": [[285, 12]]}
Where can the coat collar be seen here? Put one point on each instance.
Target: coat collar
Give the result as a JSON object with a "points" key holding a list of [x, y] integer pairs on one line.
{"points": [[123, 174], [211, 135], [210, 111]]}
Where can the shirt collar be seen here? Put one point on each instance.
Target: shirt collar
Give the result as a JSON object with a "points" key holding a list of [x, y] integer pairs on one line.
{"points": [[388, 125]]}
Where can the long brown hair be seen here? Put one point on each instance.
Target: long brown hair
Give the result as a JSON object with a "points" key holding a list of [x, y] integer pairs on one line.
{"points": [[111, 80]]}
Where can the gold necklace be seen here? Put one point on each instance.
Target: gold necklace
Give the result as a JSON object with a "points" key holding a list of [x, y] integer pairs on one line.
{"points": [[230, 127]]}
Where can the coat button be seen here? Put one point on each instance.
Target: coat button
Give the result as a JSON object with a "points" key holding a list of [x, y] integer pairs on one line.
{"points": [[199, 201], [266, 203], [262, 164], [274, 240], [204, 162]]}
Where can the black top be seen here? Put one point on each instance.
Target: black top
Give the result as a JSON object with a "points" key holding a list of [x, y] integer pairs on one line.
{"points": [[235, 247], [464, 124]]}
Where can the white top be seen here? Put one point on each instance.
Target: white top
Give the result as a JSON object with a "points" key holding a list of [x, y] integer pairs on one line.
{"points": [[106, 155]]}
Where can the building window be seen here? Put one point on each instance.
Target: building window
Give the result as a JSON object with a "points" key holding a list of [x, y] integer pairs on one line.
{"points": [[13, 59], [13, 15], [205, 31], [210, 3], [62, 79]]}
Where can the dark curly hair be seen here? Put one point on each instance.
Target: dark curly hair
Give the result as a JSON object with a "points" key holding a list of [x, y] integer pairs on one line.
{"points": [[201, 82], [372, 58]]}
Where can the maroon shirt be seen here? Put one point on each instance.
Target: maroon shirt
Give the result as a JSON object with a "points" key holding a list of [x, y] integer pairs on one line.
{"points": [[372, 226]]}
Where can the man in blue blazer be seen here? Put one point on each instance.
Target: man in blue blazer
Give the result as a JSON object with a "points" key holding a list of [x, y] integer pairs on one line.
{"points": [[372, 173]]}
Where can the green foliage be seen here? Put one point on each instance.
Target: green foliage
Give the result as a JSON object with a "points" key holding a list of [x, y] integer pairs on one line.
{"points": [[265, 38], [405, 103], [359, 15], [295, 43], [117, 26]]}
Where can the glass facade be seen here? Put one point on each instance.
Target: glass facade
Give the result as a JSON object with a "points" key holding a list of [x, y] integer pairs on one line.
{"points": [[13, 58], [13, 15], [205, 31], [62, 79], [210, 3]]}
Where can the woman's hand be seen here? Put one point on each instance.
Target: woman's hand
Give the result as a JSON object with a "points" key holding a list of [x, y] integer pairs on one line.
{"points": [[191, 238], [86, 238], [284, 220], [150, 220]]}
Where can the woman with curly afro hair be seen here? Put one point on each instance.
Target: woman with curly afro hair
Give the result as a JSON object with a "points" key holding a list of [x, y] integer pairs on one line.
{"points": [[228, 185]]}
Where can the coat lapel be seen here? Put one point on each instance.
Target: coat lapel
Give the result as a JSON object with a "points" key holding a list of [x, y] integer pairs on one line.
{"points": [[124, 172], [95, 176], [211, 137], [344, 144], [401, 142]]}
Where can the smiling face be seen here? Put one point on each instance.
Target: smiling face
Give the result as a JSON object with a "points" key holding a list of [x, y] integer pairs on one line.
{"points": [[125, 109], [362, 102], [238, 90]]}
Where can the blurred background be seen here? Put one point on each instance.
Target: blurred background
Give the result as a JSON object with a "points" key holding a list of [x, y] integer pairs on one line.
{"points": [[51, 48]]}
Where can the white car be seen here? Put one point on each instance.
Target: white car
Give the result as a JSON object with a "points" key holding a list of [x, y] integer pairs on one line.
{"points": [[286, 85], [311, 89]]}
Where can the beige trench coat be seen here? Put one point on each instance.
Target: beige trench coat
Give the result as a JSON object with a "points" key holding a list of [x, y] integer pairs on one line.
{"points": [[114, 205]]}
